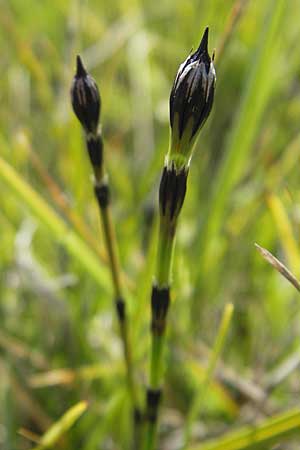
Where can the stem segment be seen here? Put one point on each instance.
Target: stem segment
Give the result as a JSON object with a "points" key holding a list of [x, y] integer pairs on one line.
{"points": [[171, 196], [111, 245], [102, 193]]}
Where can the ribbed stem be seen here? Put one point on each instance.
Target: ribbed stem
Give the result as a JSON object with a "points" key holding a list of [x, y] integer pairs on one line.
{"points": [[165, 248], [111, 246], [172, 192], [102, 194], [151, 437], [156, 363], [86, 102]]}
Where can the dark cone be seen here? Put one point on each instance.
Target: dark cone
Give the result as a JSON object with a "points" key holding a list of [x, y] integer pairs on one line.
{"points": [[193, 91], [85, 98]]}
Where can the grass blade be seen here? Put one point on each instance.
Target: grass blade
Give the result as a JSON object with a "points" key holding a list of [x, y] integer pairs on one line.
{"points": [[58, 228], [253, 437], [217, 349], [256, 94], [281, 268], [285, 231], [61, 426]]}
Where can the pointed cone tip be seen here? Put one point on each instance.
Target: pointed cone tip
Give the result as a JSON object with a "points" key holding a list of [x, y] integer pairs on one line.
{"points": [[80, 69], [204, 42]]}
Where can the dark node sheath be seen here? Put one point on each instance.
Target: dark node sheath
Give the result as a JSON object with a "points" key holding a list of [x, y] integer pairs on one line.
{"points": [[153, 401], [103, 195], [120, 307], [95, 150], [172, 191], [137, 416], [160, 301]]}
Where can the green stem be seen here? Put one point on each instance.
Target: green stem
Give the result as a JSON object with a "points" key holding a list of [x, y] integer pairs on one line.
{"points": [[166, 241], [114, 264], [165, 249], [151, 437], [156, 363], [111, 246]]}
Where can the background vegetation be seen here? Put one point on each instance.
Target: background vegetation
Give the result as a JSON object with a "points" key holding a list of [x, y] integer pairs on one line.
{"points": [[58, 335]]}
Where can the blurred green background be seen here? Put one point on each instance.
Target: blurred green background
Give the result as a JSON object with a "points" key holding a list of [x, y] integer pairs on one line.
{"points": [[58, 337]]}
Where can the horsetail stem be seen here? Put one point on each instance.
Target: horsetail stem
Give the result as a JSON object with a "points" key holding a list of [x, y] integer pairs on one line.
{"points": [[86, 104], [191, 101]]}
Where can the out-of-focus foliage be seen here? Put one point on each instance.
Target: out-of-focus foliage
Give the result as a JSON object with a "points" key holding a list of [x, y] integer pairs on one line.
{"points": [[58, 337]]}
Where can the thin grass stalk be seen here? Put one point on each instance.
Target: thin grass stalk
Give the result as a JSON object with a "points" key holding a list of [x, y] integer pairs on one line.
{"points": [[61, 201], [57, 228], [256, 95], [217, 349], [260, 436]]}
